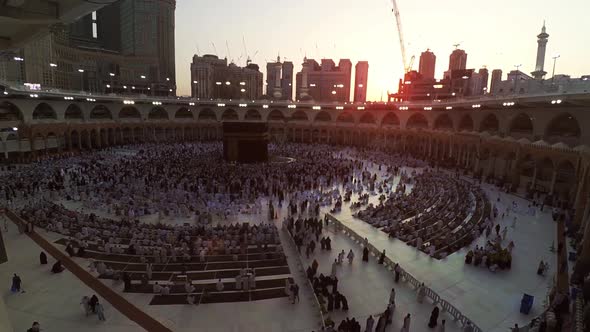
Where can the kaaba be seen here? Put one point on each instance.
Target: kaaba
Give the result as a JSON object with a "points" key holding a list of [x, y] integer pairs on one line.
{"points": [[245, 142]]}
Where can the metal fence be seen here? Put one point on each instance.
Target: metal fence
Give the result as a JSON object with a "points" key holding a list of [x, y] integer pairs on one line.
{"points": [[301, 270]]}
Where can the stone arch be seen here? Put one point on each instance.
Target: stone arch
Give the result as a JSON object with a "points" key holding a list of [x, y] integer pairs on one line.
{"points": [[563, 128], [129, 112], [73, 112], [10, 112], [443, 122], [521, 124], [490, 123], [100, 112], [417, 121], [322, 116], [158, 113], [183, 113], [229, 114], [466, 123], [207, 114], [299, 116], [44, 111], [367, 118], [276, 115], [390, 120], [253, 115], [345, 117]]}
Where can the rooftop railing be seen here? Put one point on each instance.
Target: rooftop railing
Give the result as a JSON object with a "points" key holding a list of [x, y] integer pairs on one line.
{"points": [[13, 88]]}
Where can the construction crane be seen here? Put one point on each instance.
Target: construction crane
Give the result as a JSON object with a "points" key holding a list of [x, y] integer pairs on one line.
{"points": [[407, 66], [248, 58]]}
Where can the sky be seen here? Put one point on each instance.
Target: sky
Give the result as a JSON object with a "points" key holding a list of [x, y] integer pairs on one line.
{"points": [[495, 34]]}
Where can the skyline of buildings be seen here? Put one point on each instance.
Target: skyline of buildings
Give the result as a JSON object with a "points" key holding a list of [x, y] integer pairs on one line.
{"points": [[128, 47]]}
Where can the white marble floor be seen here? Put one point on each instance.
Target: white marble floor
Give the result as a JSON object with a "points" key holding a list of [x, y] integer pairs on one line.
{"points": [[491, 300], [367, 286], [51, 299]]}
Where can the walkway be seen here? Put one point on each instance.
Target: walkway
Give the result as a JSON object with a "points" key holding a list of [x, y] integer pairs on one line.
{"points": [[491, 300], [367, 287]]}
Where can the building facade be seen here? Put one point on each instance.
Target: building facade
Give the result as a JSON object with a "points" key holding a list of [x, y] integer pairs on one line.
{"points": [[213, 78], [495, 81], [112, 50], [326, 82], [361, 76], [287, 81]]}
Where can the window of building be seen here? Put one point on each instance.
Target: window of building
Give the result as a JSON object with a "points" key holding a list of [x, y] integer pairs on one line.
{"points": [[94, 26]]}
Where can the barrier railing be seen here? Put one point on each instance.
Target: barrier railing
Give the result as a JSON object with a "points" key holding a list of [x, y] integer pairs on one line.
{"points": [[389, 264], [578, 324], [301, 269]]}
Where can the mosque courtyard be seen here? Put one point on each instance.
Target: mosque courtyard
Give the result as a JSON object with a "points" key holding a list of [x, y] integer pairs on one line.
{"points": [[491, 300]]}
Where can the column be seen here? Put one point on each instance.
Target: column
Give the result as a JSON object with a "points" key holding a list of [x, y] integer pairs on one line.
{"points": [[585, 255], [581, 200], [553, 179], [534, 178]]}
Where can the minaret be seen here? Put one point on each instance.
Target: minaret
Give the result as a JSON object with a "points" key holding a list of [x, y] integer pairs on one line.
{"points": [[541, 48], [276, 90], [304, 90]]}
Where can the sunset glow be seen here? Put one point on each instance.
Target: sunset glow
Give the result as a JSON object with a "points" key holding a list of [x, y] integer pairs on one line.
{"points": [[496, 34]]}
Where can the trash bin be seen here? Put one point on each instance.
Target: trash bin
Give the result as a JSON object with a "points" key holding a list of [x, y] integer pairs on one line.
{"points": [[526, 303]]}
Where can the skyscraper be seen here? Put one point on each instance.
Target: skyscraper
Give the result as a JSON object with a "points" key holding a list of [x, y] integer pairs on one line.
{"points": [[361, 73], [326, 82], [214, 78], [124, 47], [484, 76], [496, 79], [541, 49], [147, 29], [458, 60], [427, 64], [273, 79], [478, 83], [279, 80], [287, 80]]}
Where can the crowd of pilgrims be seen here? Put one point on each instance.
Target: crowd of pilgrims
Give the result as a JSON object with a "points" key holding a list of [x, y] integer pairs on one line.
{"points": [[190, 180], [179, 180], [305, 233], [155, 243], [432, 215]]}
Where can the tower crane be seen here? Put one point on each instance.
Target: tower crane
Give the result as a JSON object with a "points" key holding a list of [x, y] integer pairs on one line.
{"points": [[248, 58], [407, 66]]}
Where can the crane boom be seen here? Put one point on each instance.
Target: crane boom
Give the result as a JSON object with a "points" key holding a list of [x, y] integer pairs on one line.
{"points": [[401, 34]]}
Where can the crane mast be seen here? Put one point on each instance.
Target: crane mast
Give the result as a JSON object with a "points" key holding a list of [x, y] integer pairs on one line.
{"points": [[401, 36]]}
